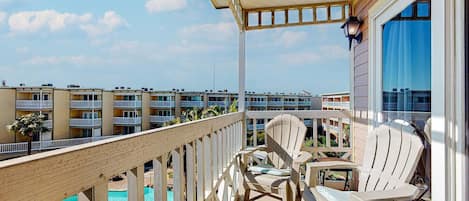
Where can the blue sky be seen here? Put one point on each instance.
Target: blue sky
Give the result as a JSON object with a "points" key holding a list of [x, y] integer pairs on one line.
{"points": [[162, 44]]}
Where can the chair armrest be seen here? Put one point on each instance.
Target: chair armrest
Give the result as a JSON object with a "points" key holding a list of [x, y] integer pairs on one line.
{"points": [[250, 150], [302, 158], [312, 169], [406, 192]]}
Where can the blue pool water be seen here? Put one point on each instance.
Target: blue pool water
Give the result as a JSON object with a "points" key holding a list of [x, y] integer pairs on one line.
{"points": [[122, 195]]}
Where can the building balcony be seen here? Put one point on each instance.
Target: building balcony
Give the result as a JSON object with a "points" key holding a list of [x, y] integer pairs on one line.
{"points": [[256, 103], [85, 123], [48, 124], [258, 127], [127, 104], [199, 104], [85, 104], [275, 103], [33, 104], [291, 104], [127, 120], [162, 104], [304, 103], [160, 119], [218, 103]]}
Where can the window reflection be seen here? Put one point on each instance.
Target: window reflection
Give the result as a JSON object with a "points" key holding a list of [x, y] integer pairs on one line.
{"points": [[407, 65]]}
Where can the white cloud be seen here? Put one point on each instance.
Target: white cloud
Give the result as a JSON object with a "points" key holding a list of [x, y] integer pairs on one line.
{"points": [[107, 24], [219, 31], [154, 6], [291, 38], [300, 57], [51, 20], [3, 16], [22, 50]]}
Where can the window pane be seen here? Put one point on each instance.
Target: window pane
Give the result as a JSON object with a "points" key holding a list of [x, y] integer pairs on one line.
{"points": [[407, 67]]}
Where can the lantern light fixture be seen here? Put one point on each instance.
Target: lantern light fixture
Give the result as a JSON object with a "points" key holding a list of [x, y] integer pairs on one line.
{"points": [[352, 31]]}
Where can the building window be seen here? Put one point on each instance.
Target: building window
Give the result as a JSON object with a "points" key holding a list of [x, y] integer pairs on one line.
{"points": [[406, 65]]}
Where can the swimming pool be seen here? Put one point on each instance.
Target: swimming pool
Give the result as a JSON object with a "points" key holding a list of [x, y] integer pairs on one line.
{"points": [[122, 195]]}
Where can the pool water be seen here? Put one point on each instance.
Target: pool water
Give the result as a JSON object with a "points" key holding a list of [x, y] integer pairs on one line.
{"points": [[122, 195]]}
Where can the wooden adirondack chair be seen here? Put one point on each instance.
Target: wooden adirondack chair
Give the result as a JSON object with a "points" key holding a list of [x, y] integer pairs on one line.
{"points": [[284, 137], [391, 157]]}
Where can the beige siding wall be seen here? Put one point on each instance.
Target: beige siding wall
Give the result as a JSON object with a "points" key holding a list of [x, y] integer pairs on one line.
{"points": [[146, 111], [360, 80], [108, 109], [7, 114], [61, 116]]}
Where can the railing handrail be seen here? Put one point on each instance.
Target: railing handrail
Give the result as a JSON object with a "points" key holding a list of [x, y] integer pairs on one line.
{"points": [[68, 171], [304, 114]]}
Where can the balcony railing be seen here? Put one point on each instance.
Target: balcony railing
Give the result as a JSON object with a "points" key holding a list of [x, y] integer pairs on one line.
{"points": [[161, 119], [275, 103], [33, 104], [199, 104], [288, 103], [218, 103], [343, 105], [203, 162], [127, 120], [85, 104], [47, 124], [256, 103], [304, 103], [313, 117], [47, 145], [85, 122], [127, 104], [162, 104]]}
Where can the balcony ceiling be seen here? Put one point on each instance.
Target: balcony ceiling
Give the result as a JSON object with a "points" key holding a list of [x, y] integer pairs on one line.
{"points": [[256, 4], [259, 14]]}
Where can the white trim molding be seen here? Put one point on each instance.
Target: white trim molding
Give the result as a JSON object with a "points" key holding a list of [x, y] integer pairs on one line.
{"points": [[448, 156]]}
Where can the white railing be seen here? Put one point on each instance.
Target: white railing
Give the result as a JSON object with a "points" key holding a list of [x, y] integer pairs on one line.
{"points": [[161, 119], [47, 124], [259, 127], [202, 159], [341, 105], [275, 103], [288, 103], [33, 104], [85, 122], [163, 104], [85, 104], [199, 104], [257, 103], [47, 145], [315, 118], [127, 104], [127, 120], [218, 103]]}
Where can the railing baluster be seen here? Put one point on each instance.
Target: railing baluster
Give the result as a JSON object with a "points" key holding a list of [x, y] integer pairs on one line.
{"points": [[200, 151], [213, 139], [254, 132], [135, 184], [220, 153], [340, 137], [328, 134], [190, 161], [98, 193], [207, 165], [178, 169], [315, 135], [160, 176]]}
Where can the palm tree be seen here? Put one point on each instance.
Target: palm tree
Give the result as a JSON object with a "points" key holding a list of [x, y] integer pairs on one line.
{"points": [[28, 125], [212, 111], [233, 106]]}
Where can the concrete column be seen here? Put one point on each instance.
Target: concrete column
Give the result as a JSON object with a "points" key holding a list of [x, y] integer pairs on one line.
{"points": [[242, 71], [135, 184], [178, 105]]}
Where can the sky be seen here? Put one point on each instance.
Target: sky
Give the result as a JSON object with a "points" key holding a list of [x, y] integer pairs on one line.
{"points": [[162, 44]]}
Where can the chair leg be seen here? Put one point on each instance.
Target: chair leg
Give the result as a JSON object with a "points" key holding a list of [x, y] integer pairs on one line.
{"points": [[247, 191], [287, 194]]}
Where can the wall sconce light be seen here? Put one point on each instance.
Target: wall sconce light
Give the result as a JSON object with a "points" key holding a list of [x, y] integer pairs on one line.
{"points": [[351, 29]]}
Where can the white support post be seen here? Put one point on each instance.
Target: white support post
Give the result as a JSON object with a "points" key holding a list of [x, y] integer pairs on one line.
{"points": [[98, 193], [160, 177], [242, 71], [200, 170], [191, 173], [135, 184]]}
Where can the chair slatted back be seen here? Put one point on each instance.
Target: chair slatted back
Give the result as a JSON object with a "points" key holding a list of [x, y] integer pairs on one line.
{"points": [[392, 154], [284, 135]]}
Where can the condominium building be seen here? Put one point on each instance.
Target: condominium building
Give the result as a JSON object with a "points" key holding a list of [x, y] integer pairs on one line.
{"points": [[332, 126], [74, 112]]}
